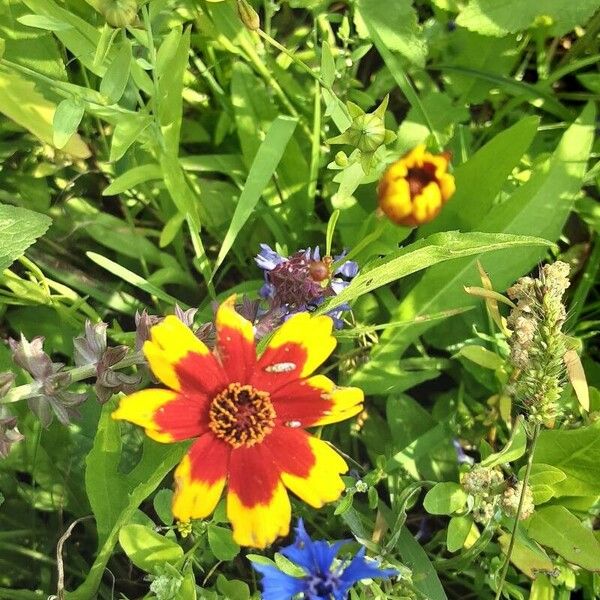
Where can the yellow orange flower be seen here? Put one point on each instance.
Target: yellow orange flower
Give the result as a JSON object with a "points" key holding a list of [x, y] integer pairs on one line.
{"points": [[413, 189], [248, 416]]}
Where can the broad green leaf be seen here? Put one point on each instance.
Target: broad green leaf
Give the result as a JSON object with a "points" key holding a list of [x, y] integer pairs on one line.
{"points": [[424, 576], [263, 167], [575, 452], [221, 543], [66, 120], [527, 555], [162, 502], [458, 530], [481, 356], [21, 102], [444, 498], [126, 132], [397, 26], [42, 22], [542, 474], [147, 549], [514, 449], [233, 589], [557, 528], [19, 229], [435, 249], [499, 17], [132, 178], [115, 79]]}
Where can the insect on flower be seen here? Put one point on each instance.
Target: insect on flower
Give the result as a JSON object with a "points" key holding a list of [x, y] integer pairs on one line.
{"points": [[413, 189], [324, 577], [248, 416]]}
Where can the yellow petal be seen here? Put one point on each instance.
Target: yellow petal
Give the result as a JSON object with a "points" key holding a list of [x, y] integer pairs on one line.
{"points": [[323, 483], [260, 525]]}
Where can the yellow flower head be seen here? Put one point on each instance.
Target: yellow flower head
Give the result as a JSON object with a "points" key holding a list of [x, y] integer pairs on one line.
{"points": [[413, 189]]}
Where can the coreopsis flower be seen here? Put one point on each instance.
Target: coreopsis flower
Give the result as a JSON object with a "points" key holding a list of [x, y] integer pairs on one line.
{"points": [[247, 415], [324, 576], [413, 189], [304, 280]]}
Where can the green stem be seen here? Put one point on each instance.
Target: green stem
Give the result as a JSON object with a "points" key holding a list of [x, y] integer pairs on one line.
{"points": [[532, 444], [29, 390]]}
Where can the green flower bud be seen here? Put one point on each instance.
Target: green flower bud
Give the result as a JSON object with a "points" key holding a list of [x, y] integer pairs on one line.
{"points": [[119, 13], [248, 15], [341, 160], [367, 132]]}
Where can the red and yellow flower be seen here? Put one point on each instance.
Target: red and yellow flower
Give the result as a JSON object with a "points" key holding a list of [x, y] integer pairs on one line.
{"points": [[413, 189], [248, 416]]}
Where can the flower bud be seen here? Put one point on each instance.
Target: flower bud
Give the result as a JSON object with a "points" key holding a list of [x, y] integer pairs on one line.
{"points": [[248, 15], [119, 13]]}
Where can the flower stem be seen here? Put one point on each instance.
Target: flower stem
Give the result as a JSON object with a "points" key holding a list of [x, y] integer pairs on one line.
{"points": [[532, 444], [29, 390]]}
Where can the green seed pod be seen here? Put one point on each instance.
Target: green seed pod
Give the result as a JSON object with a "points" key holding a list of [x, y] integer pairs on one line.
{"points": [[367, 132], [119, 13]]}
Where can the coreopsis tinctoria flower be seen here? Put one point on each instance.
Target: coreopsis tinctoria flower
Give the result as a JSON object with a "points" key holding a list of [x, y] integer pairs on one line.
{"points": [[52, 397], [304, 280], [537, 343], [511, 498], [413, 189]]}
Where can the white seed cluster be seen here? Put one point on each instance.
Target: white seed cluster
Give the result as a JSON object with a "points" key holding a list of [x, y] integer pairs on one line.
{"points": [[510, 501]]}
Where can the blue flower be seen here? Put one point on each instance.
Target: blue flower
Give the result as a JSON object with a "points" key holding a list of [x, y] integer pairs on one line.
{"points": [[325, 578], [304, 280]]}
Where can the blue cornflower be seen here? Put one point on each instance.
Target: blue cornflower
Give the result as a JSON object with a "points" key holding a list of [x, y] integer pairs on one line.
{"points": [[302, 281], [322, 579]]}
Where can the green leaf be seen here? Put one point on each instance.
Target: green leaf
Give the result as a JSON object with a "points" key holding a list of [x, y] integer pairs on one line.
{"points": [[41, 22], [514, 449], [221, 543], [575, 453], [481, 356], [424, 575], [559, 529], [499, 17], [458, 530], [132, 278], [397, 26], [444, 498], [19, 229], [66, 120], [263, 167], [127, 131], [327, 65], [233, 589], [115, 79], [162, 505], [147, 549], [132, 178], [435, 249], [528, 556]]}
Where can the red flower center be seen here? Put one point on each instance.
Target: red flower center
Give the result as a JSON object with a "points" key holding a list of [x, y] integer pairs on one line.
{"points": [[241, 415], [419, 177]]}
